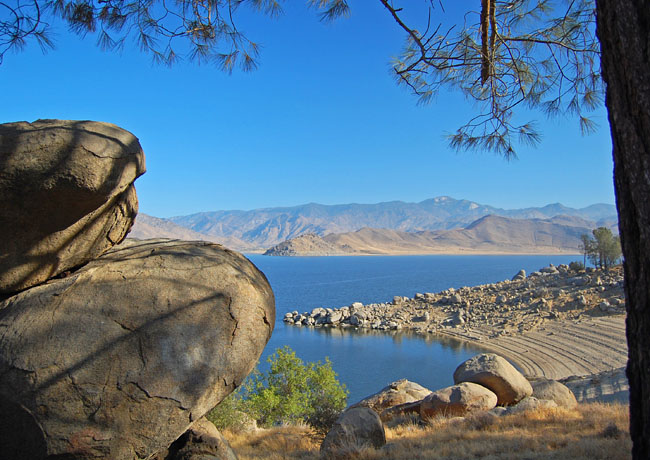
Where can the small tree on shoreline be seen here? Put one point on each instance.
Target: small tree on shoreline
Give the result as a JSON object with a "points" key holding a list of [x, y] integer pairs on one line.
{"points": [[586, 247], [603, 250]]}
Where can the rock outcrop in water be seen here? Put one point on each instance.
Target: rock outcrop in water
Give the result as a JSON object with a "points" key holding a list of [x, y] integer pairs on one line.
{"points": [[504, 307], [309, 244]]}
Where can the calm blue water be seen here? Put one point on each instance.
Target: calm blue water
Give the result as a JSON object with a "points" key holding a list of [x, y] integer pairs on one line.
{"points": [[366, 362]]}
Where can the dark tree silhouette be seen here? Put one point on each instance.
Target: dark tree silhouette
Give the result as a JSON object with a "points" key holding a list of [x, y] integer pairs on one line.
{"points": [[624, 31], [198, 30]]}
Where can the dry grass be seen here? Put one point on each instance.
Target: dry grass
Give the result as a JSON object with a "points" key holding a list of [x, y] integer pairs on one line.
{"points": [[280, 443], [590, 432]]}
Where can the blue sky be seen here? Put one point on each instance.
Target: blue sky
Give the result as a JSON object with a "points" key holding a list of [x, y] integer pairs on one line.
{"points": [[321, 120]]}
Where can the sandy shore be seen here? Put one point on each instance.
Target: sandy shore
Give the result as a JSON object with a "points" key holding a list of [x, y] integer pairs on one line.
{"points": [[425, 252], [561, 348], [588, 355]]}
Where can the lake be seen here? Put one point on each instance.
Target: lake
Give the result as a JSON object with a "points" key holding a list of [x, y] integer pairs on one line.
{"points": [[367, 361]]}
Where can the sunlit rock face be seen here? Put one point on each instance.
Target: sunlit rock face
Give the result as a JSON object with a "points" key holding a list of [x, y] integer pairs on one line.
{"points": [[118, 359], [66, 194]]}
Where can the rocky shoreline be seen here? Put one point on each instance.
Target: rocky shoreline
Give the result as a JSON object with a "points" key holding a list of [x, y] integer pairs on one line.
{"points": [[555, 323]]}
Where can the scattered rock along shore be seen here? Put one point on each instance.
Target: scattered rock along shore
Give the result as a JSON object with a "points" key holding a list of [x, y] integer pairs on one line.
{"points": [[555, 323]]}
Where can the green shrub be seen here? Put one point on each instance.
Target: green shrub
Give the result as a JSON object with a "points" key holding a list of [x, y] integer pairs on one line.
{"points": [[576, 266], [230, 413], [292, 392]]}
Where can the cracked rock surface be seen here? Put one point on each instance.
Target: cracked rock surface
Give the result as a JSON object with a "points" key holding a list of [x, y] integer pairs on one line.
{"points": [[118, 359], [66, 193]]}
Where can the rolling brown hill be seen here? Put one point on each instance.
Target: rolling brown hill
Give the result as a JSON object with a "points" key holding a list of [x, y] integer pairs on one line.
{"points": [[487, 235]]}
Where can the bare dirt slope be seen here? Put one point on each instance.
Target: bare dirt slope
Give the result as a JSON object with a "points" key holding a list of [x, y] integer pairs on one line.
{"points": [[560, 349]]}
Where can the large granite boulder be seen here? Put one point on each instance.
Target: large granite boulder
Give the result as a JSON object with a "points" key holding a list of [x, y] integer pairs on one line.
{"points": [[356, 429], [552, 390], [395, 394], [458, 401], [118, 359], [495, 373], [66, 194]]}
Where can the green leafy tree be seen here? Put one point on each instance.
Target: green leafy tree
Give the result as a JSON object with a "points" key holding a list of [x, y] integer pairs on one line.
{"points": [[292, 391], [607, 247], [576, 266], [289, 392], [230, 413], [604, 249], [586, 246]]}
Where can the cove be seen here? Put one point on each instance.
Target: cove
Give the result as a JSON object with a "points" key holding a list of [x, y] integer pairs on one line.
{"points": [[367, 361]]}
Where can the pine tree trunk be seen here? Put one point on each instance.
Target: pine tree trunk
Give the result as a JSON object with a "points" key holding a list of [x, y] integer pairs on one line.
{"points": [[623, 28]]}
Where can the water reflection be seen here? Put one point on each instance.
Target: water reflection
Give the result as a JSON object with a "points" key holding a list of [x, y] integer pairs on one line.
{"points": [[368, 360], [397, 336]]}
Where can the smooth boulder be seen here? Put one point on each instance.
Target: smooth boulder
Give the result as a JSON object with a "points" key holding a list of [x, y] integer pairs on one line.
{"points": [[531, 403], [118, 359], [552, 390], [458, 401], [521, 275], [201, 442], [356, 429], [66, 194], [495, 373], [395, 394]]}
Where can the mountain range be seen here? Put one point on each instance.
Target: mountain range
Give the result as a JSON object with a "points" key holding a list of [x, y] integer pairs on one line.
{"points": [[263, 228]]}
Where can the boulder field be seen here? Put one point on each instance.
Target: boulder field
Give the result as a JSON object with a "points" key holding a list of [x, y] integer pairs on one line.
{"points": [[485, 384]]}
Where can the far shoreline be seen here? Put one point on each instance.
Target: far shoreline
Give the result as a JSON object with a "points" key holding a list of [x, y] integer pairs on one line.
{"points": [[418, 253]]}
